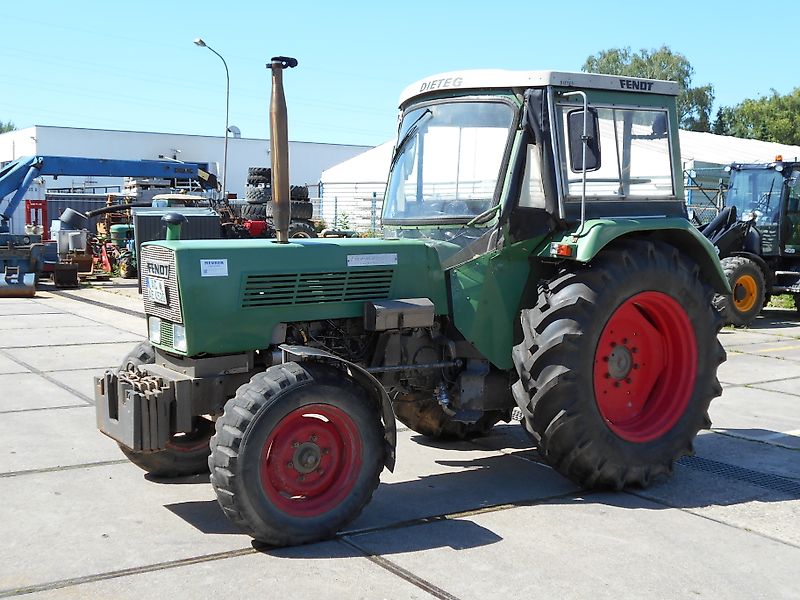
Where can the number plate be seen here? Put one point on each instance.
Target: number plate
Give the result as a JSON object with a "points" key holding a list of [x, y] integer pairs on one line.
{"points": [[157, 291]]}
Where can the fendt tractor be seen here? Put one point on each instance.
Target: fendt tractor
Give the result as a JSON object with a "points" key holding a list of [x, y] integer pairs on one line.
{"points": [[757, 236], [537, 257]]}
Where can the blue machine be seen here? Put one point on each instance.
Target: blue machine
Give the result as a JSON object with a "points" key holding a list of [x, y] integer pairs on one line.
{"points": [[20, 255]]}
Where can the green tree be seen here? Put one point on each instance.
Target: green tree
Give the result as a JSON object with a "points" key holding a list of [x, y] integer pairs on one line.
{"points": [[694, 103], [772, 118], [4, 127]]}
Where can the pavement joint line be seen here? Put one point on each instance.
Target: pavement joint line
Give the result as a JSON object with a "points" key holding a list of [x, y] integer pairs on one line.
{"points": [[126, 311], [27, 314], [463, 514], [104, 463], [42, 408], [712, 519], [754, 441], [73, 581], [71, 345], [45, 376], [402, 573]]}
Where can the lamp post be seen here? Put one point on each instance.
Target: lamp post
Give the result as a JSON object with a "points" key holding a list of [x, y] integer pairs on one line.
{"points": [[202, 44]]}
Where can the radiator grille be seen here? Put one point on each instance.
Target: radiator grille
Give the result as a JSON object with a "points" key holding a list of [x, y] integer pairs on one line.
{"points": [[159, 255], [166, 333], [314, 288]]}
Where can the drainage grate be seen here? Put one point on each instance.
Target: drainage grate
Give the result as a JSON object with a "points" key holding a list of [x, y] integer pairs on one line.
{"points": [[775, 483]]}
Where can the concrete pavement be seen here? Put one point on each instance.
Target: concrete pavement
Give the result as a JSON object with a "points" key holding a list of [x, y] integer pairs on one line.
{"points": [[480, 519]]}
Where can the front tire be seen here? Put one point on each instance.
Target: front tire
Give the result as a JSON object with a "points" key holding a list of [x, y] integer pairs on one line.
{"points": [[749, 291], [618, 365], [297, 454]]}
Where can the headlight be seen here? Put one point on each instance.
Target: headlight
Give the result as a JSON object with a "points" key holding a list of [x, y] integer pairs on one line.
{"points": [[154, 329], [179, 337]]}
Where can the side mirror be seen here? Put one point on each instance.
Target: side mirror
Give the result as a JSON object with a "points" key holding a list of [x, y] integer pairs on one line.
{"points": [[576, 135]]}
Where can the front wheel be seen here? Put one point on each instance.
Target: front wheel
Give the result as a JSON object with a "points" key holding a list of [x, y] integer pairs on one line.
{"points": [[618, 365], [297, 454], [749, 291]]}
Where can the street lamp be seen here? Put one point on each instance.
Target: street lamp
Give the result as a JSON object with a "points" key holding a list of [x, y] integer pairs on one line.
{"points": [[202, 44]]}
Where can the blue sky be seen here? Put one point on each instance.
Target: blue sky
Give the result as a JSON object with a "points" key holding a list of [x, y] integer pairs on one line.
{"points": [[132, 65]]}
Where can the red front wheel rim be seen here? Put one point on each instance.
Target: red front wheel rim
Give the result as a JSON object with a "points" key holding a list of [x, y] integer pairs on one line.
{"points": [[311, 460], [645, 367]]}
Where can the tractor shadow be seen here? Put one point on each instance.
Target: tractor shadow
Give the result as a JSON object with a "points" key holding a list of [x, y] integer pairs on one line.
{"points": [[434, 507]]}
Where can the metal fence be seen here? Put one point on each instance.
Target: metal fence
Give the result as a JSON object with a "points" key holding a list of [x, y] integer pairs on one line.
{"points": [[361, 214]]}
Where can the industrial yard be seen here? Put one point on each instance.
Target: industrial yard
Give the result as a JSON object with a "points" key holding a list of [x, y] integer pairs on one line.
{"points": [[472, 519], [543, 343]]}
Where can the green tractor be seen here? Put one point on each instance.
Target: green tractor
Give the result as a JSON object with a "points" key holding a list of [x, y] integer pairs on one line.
{"points": [[538, 262]]}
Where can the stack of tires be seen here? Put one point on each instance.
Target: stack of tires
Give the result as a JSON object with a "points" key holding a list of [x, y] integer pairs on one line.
{"points": [[258, 205]]}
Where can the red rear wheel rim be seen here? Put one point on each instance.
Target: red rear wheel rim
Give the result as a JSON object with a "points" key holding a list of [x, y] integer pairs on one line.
{"points": [[645, 367], [311, 460]]}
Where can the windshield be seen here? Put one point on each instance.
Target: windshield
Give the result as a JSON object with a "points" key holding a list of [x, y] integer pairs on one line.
{"points": [[755, 192], [447, 162]]}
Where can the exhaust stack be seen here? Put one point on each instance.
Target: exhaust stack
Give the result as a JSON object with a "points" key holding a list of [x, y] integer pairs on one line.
{"points": [[279, 149]]}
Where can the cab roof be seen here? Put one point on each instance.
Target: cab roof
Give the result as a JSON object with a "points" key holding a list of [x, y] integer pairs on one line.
{"points": [[504, 79]]}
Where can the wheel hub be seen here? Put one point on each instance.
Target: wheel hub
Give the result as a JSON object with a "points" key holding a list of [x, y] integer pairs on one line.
{"points": [[306, 457], [620, 362]]}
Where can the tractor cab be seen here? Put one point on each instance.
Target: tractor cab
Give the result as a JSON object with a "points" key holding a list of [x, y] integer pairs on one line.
{"points": [[487, 158]]}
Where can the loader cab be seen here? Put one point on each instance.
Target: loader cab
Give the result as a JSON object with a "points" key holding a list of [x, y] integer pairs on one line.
{"points": [[503, 156], [768, 196]]}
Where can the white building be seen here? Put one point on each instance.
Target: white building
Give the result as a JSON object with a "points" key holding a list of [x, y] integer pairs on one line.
{"points": [[307, 160]]}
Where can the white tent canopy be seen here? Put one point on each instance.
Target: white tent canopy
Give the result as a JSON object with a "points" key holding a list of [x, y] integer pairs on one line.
{"points": [[356, 186], [723, 149], [372, 166]]}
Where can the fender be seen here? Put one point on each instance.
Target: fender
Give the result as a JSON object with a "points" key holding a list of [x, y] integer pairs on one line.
{"points": [[367, 381], [596, 234]]}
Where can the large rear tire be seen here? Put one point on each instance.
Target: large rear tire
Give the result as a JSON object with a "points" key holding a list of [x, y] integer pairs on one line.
{"points": [[421, 413], [618, 365], [297, 454], [749, 291]]}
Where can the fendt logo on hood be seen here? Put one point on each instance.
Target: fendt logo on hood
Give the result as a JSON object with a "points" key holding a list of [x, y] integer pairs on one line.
{"points": [[157, 269]]}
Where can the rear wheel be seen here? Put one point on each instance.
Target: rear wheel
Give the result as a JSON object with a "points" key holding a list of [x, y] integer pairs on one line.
{"points": [[618, 365], [421, 413], [749, 291], [297, 454]]}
